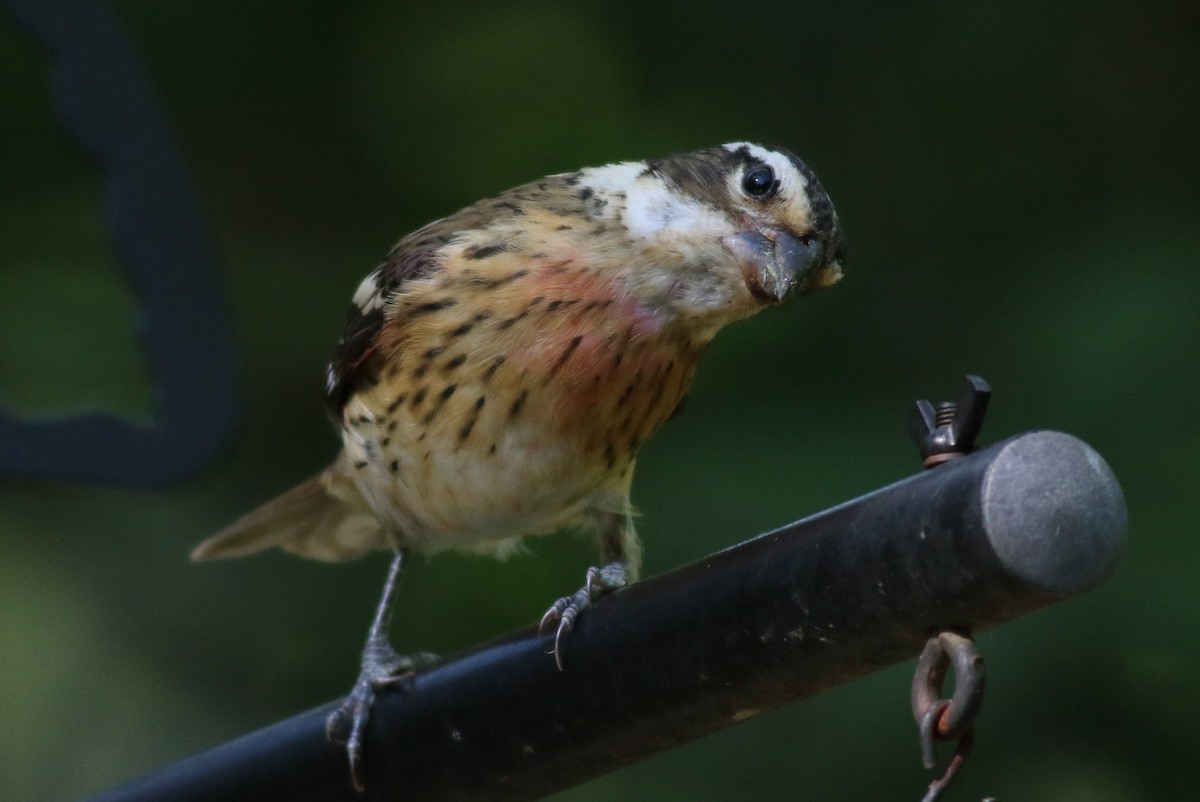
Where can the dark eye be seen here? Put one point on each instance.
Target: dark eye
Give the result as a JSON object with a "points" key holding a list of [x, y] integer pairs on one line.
{"points": [[759, 182]]}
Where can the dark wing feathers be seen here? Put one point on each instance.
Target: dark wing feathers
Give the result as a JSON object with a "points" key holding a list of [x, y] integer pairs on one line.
{"points": [[351, 363]]}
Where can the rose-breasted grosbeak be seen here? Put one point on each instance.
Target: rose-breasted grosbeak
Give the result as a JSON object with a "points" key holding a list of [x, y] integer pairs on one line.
{"points": [[500, 368]]}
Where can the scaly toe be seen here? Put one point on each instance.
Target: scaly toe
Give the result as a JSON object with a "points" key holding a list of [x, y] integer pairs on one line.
{"points": [[597, 582], [566, 611], [553, 614]]}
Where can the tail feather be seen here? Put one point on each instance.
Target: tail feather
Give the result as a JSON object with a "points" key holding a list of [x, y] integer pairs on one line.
{"points": [[306, 520]]}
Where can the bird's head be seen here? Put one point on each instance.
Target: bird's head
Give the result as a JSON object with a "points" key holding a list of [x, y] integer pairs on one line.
{"points": [[726, 230]]}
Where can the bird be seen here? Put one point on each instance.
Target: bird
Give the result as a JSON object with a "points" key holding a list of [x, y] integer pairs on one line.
{"points": [[499, 369]]}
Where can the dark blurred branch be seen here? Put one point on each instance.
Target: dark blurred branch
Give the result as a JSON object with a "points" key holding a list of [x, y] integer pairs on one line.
{"points": [[104, 100], [780, 617]]}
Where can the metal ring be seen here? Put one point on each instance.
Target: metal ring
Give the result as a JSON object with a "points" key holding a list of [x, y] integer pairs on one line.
{"points": [[940, 652]]}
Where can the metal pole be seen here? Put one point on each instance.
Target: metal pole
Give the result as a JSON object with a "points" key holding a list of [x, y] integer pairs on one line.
{"points": [[783, 616]]}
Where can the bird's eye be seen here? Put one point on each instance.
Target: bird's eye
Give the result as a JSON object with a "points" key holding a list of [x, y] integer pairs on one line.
{"points": [[759, 182]]}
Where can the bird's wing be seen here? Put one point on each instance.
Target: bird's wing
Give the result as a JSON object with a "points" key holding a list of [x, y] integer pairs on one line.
{"points": [[352, 357]]}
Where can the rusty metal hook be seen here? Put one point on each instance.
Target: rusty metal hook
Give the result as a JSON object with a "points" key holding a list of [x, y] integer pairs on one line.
{"points": [[940, 719]]}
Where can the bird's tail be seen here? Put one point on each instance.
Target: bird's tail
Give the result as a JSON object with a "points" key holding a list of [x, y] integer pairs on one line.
{"points": [[316, 519]]}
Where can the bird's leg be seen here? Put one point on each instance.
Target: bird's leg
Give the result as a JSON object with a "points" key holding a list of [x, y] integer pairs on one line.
{"points": [[380, 666], [621, 553]]}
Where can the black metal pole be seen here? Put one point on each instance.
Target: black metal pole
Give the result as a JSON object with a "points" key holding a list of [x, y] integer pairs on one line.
{"points": [[780, 617]]}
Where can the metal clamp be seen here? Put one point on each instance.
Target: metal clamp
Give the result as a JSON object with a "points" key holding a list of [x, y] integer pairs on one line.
{"points": [[942, 432]]}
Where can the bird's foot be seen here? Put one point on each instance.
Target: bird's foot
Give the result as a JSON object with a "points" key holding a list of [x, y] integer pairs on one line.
{"points": [[567, 609], [381, 666]]}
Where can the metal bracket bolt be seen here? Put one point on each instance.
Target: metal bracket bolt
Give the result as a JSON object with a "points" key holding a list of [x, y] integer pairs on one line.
{"points": [[948, 429]]}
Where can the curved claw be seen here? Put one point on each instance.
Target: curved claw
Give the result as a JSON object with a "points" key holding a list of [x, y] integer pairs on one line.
{"points": [[564, 611], [353, 712], [354, 757], [565, 624], [553, 614], [592, 582]]}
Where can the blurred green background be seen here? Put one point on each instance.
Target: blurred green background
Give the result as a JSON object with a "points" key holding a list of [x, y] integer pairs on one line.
{"points": [[1019, 186]]}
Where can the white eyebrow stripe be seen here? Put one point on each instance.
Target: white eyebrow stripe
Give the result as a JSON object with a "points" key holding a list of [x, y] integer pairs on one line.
{"points": [[757, 151], [792, 183]]}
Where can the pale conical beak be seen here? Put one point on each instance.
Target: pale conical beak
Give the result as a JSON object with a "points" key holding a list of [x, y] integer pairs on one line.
{"points": [[777, 265]]}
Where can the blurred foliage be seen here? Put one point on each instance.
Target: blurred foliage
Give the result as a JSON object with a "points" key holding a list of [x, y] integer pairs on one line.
{"points": [[1018, 181]]}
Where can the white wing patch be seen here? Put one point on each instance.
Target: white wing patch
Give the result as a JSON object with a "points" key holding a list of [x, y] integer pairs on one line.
{"points": [[368, 297]]}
